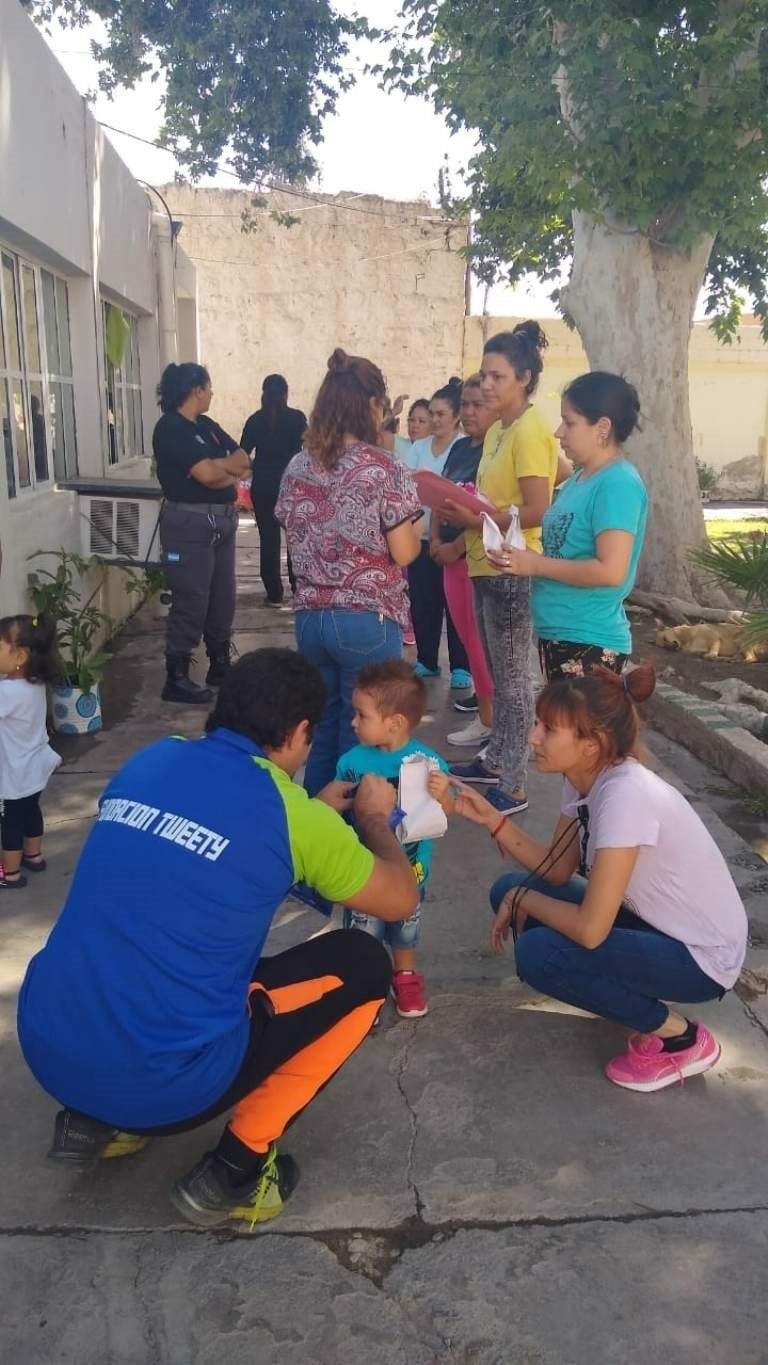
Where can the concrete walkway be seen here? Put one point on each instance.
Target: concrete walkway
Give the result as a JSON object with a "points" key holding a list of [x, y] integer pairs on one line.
{"points": [[473, 1189]]}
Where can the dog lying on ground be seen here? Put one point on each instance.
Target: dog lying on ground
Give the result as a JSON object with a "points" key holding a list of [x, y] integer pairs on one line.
{"points": [[723, 640]]}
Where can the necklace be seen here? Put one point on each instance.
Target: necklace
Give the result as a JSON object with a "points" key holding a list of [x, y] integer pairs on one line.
{"points": [[503, 430], [502, 433]]}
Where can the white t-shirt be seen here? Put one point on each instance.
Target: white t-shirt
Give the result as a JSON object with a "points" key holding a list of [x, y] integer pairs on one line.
{"points": [[26, 758], [420, 457], [680, 883]]}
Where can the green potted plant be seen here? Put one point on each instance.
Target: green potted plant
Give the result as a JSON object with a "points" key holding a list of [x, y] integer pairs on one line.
{"points": [[708, 477], [150, 583], [58, 593]]}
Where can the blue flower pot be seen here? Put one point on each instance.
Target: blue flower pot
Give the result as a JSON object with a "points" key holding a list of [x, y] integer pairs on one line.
{"points": [[76, 712]]}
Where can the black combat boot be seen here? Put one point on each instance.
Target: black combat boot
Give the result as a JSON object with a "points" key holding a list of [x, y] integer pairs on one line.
{"points": [[219, 659], [178, 684]]}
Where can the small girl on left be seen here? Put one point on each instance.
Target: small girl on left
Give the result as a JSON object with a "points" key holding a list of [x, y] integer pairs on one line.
{"points": [[27, 662]]}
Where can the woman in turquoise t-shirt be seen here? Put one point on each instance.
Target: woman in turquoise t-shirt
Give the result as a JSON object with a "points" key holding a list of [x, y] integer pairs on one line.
{"points": [[592, 535]]}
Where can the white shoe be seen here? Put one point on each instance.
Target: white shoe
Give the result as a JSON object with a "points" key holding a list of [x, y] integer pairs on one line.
{"points": [[475, 733]]}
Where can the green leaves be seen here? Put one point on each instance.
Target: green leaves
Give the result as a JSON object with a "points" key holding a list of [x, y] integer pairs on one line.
{"points": [[89, 674], [651, 115], [247, 78], [57, 593], [740, 562]]}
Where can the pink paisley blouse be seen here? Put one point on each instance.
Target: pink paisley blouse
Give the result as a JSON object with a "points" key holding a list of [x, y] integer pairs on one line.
{"points": [[336, 522]]}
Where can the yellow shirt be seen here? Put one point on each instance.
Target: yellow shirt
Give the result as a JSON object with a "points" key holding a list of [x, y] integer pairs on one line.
{"points": [[525, 449]]}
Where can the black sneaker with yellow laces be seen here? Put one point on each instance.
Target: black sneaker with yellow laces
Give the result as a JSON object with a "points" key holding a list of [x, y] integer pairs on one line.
{"points": [[207, 1197]]}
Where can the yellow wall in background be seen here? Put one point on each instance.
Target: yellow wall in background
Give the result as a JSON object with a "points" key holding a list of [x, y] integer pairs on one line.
{"points": [[728, 389]]}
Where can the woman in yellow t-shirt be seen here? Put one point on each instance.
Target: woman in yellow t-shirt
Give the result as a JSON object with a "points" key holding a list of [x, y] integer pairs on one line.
{"points": [[518, 468]]}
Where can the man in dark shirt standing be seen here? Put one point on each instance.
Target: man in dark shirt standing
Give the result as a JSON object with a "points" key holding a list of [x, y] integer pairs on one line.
{"points": [[273, 435]]}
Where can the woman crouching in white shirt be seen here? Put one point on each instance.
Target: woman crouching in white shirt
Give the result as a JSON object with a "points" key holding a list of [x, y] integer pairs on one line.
{"points": [[632, 903]]}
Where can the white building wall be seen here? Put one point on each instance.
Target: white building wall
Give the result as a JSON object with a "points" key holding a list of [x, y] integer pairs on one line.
{"points": [[69, 204]]}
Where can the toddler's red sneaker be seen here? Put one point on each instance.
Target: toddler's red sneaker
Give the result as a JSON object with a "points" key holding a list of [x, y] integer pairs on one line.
{"points": [[408, 990]]}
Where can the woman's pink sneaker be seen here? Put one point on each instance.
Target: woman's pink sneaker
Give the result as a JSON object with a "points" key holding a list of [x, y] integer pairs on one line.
{"points": [[646, 1066]]}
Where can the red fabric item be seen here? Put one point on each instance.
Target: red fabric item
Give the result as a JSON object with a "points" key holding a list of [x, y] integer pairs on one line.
{"points": [[243, 501]]}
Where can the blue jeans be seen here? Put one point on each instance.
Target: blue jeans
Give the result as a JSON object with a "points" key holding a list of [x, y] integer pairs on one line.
{"points": [[400, 933], [339, 643], [627, 978]]}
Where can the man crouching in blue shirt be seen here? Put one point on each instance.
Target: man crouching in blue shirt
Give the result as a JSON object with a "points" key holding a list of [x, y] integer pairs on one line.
{"points": [[150, 1009]]}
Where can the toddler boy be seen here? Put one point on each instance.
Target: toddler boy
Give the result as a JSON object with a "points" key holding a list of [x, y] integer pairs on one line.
{"points": [[389, 702]]}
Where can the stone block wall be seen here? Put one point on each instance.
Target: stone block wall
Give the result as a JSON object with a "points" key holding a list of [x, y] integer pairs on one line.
{"points": [[381, 279]]}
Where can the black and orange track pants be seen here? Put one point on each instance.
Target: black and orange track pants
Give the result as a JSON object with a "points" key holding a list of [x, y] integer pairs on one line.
{"points": [[310, 1007]]}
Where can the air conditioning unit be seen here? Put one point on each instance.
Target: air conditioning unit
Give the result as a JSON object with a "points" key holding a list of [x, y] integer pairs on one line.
{"points": [[120, 529], [118, 521]]}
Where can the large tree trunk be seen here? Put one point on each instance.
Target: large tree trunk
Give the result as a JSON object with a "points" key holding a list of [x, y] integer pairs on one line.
{"points": [[633, 303]]}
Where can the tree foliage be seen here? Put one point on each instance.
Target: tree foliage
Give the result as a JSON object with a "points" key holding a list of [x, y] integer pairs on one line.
{"points": [[250, 78], [647, 115]]}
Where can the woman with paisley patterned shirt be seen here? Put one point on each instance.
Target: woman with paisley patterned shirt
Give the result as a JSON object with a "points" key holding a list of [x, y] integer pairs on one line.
{"points": [[353, 521], [592, 535]]}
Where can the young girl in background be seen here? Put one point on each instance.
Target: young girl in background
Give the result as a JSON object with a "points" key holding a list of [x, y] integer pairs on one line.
{"points": [[28, 662]]}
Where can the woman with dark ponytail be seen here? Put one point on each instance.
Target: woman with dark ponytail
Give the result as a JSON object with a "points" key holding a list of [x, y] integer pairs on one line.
{"points": [[425, 575], [517, 469], [352, 519], [272, 436], [198, 466], [631, 903]]}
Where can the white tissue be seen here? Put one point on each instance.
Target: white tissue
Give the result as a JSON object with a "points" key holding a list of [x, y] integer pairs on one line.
{"points": [[424, 816], [513, 538]]}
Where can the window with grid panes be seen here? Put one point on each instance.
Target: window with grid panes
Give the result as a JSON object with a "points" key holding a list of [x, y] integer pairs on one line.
{"points": [[125, 430], [37, 409]]}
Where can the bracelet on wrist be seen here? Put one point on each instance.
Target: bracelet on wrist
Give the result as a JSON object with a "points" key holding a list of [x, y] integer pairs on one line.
{"points": [[497, 828]]}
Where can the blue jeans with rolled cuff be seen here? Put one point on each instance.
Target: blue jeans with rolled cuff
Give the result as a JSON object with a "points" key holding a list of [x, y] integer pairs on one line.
{"points": [[400, 933], [626, 978], [339, 643]]}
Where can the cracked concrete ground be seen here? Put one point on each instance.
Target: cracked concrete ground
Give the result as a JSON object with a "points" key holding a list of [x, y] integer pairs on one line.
{"points": [[473, 1189]]}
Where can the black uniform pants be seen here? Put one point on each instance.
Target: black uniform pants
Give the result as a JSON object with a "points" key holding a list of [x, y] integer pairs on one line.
{"points": [[269, 548], [428, 607], [199, 563]]}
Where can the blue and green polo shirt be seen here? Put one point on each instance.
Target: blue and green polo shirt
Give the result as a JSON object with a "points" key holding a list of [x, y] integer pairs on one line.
{"points": [[135, 1010]]}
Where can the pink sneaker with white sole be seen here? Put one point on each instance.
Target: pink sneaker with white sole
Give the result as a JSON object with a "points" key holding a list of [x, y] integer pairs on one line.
{"points": [[408, 990], [646, 1066]]}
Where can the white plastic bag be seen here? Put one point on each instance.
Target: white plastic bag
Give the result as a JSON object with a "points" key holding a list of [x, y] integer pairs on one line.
{"points": [[513, 538], [424, 817]]}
